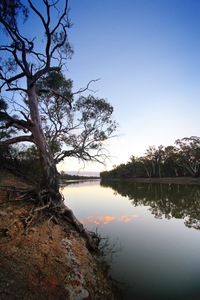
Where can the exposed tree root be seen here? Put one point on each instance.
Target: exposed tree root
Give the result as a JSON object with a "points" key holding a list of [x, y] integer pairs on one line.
{"points": [[92, 239], [52, 204]]}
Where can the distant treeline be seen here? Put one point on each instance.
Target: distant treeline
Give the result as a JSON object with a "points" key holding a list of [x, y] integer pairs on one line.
{"points": [[64, 176], [180, 160]]}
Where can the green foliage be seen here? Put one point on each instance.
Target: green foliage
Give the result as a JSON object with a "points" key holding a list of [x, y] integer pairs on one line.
{"points": [[75, 128], [3, 106], [5, 157], [189, 154], [22, 161], [53, 82], [79, 131], [49, 117], [10, 11], [94, 116], [5, 131], [171, 161]]}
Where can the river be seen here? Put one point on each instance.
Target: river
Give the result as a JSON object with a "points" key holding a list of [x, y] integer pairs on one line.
{"points": [[154, 229]]}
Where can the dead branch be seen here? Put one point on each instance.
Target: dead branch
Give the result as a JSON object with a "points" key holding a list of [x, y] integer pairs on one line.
{"points": [[81, 90]]}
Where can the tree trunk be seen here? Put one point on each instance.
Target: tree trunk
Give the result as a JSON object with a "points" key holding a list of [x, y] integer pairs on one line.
{"points": [[48, 166], [50, 184]]}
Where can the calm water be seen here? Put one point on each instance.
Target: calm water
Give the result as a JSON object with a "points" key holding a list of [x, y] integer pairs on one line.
{"points": [[157, 232]]}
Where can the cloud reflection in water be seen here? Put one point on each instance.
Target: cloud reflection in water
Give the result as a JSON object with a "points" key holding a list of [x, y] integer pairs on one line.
{"points": [[107, 219]]}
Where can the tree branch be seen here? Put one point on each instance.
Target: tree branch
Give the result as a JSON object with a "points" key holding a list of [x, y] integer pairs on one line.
{"points": [[86, 88], [46, 91], [81, 154], [11, 79], [22, 138], [17, 123]]}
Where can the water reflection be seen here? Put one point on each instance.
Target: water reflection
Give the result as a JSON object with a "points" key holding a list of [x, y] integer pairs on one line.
{"points": [[160, 257], [164, 200], [107, 219]]}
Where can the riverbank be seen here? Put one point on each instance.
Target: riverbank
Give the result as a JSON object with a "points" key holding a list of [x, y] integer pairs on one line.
{"points": [[171, 180], [42, 259], [166, 180]]}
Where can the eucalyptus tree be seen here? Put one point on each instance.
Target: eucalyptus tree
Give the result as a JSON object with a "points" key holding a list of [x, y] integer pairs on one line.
{"points": [[170, 166], [78, 131], [26, 57], [146, 164], [189, 154], [150, 156], [156, 156]]}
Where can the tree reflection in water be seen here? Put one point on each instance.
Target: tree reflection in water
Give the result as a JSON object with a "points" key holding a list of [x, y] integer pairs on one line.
{"points": [[164, 200]]}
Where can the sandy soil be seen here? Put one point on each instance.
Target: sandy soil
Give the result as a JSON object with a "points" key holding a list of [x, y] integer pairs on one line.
{"points": [[40, 259]]}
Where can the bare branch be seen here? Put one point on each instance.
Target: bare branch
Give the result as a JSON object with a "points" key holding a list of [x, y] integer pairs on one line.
{"points": [[22, 138], [11, 79], [82, 155], [17, 89], [13, 122], [87, 87], [37, 12], [64, 14]]}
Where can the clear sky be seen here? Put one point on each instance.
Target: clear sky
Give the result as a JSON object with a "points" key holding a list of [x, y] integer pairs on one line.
{"points": [[147, 54]]}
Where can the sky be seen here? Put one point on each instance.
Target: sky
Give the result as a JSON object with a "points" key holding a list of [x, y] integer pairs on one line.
{"points": [[147, 56]]}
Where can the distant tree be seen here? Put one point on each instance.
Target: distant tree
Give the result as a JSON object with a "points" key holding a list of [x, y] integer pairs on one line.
{"points": [[189, 154], [150, 155], [170, 166], [171, 161], [139, 166], [147, 166]]}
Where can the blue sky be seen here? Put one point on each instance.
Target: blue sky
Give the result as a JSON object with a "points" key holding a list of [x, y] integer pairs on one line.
{"points": [[147, 54]]}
